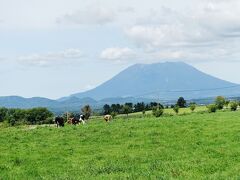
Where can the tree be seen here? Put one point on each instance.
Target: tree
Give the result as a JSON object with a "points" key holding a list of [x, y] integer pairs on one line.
{"points": [[38, 115], [192, 106], [233, 106], [3, 114], [106, 109], [176, 109], [87, 111], [130, 105], [220, 102], [139, 107], [126, 109], [17, 116], [181, 102], [116, 108], [153, 104]]}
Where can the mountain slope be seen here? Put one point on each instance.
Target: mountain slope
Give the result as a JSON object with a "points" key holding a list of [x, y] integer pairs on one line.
{"points": [[141, 79]]}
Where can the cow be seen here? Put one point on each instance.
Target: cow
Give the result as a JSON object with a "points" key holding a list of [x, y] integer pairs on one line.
{"points": [[82, 119], [73, 121], [107, 118], [59, 121]]}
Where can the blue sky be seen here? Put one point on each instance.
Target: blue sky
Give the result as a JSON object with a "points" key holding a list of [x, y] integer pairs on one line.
{"points": [[59, 47]]}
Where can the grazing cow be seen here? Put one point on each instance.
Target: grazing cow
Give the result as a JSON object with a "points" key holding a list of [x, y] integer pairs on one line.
{"points": [[59, 121], [107, 118], [82, 119], [73, 121]]}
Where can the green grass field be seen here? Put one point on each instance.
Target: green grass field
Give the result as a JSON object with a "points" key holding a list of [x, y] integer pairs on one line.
{"points": [[194, 146]]}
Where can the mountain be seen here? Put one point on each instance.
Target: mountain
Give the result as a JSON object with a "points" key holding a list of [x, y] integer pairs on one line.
{"points": [[161, 80], [20, 102], [70, 104], [139, 83]]}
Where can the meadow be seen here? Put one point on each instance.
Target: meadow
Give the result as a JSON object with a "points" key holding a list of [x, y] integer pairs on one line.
{"points": [[191, 146]]}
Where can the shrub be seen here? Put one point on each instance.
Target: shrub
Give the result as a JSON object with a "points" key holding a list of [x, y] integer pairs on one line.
{"points": [[157, 111], [192, 106], [176, 109], [212, 108], [227, 102], [233, 106], [114, 114]]}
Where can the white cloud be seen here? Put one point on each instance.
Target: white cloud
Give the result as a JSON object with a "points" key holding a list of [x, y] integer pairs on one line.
{"points": [[89, 16], [52, 58], [209, 31], [118, 54]]}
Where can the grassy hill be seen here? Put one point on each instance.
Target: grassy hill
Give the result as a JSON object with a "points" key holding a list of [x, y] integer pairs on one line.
{"points": [[191, 146]]}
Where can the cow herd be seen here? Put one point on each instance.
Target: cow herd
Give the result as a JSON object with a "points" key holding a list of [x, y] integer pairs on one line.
{"points": [[59, 121]]}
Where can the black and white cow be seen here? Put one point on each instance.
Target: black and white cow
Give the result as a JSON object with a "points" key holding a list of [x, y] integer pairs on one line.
{"points": [[59, 121], [82, 119]]}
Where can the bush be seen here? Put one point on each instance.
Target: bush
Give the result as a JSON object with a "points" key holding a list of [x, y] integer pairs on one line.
{"points": [[157, 111], [192, 106], [212, 108], [176, 109], [114, 114], [233, 106]]}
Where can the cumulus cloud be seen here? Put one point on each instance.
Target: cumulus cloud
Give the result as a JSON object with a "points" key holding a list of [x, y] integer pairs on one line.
{"points": [[89, 16], [52, 58], [117, 54], [213, 27]]}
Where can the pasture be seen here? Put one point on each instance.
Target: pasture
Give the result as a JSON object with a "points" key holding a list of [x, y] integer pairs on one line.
{"points": [[192, 146]]}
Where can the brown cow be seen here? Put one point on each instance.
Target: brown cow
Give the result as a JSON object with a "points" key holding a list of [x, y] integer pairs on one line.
{"points": [[107, 118]]}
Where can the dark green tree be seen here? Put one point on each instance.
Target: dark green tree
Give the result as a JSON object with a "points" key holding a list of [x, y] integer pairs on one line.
{"points": [[181, 102], [220, 101], [106, 109], [3, 114]]}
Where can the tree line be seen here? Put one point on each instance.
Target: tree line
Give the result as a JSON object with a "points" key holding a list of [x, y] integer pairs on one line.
{"points": [[15, 116], [26, 116], [128, 108]]}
